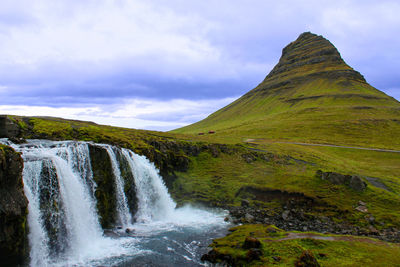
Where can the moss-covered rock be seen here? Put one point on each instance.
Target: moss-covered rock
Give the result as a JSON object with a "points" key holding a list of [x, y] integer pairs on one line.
{"points": [[13, 208], [105, 191], [8, 127], [129, 183], [51, 207]]}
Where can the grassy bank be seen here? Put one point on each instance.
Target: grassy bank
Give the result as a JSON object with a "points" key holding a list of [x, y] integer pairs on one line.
{"points": [[280, 248]]}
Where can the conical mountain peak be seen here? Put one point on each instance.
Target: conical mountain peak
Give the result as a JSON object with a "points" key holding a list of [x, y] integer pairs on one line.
{"points": [[310, 55], [309, 47], [311, 95]]}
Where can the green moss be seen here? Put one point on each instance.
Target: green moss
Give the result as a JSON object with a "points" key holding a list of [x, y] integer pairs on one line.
{"points": [[105, 190]]}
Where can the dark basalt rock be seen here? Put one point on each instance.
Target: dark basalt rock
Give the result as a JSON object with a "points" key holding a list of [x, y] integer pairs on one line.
{"points": [[354, 182], [105, 191], [251, 242], [215, 257], [129, 183], [51, 208], [13, 208], [8, 128]]}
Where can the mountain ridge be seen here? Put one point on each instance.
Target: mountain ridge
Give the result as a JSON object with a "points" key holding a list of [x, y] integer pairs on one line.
{"points": [[310, 85]]}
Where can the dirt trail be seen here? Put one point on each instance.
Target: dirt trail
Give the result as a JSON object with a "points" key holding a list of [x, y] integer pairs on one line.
{"points": [[291, 236], [325, 145]]}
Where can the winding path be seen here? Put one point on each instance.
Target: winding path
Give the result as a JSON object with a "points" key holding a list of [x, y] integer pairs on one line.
{"points": [[292, 235], [327, 145]]}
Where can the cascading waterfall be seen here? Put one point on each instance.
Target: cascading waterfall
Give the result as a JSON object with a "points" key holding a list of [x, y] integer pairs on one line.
{"points": [[63, 219], [124, 214], [68, 199], [154, 201]]}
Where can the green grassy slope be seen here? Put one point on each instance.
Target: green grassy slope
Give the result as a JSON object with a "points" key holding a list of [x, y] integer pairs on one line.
{"points": [[311, 95], [292, 168], [280, 248], [214, 176]]}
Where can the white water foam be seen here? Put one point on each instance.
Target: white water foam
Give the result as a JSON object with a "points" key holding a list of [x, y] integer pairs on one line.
{"points": [[154, 201], [124, 213], [84, 234]]}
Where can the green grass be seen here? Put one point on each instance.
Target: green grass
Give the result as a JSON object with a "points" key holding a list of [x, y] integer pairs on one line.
{"points": [[61, 129], [218, 180], [291, 168], [351, 251]]}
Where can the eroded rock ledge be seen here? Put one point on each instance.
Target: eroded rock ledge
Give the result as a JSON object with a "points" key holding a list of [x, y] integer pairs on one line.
{"points": [[13, 208]]}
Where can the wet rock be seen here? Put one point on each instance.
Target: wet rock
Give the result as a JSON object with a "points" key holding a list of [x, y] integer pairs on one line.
{"points": [[17, 140], [306, 259], [249, 218], [13, 208], [105, 191], [214, 257], [111, 234], [285, 215], [251, 242], [211, 256]]}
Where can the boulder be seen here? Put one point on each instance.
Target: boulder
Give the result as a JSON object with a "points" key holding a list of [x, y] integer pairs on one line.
{"points": [[253, 254], [352, 181], [285, 215], [248, 218], [306, 259], [357, 184], [251, 242]]}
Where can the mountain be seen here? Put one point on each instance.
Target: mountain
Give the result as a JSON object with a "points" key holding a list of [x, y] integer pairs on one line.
{"points": [[311, 95]]}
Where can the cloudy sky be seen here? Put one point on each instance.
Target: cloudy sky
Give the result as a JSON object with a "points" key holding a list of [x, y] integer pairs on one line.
{"points": [[162, 64]]}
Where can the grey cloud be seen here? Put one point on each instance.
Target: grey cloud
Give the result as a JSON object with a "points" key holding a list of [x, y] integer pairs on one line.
{"points": [[243, 32]]}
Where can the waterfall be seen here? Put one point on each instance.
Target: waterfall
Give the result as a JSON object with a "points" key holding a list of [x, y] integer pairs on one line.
{"points": [[61, 186], [154, 201], [124, 214], [62, 214], [63, 219]]}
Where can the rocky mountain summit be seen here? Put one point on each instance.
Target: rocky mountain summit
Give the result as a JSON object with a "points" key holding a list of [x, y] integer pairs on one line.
{"points": [[309, 56]]}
